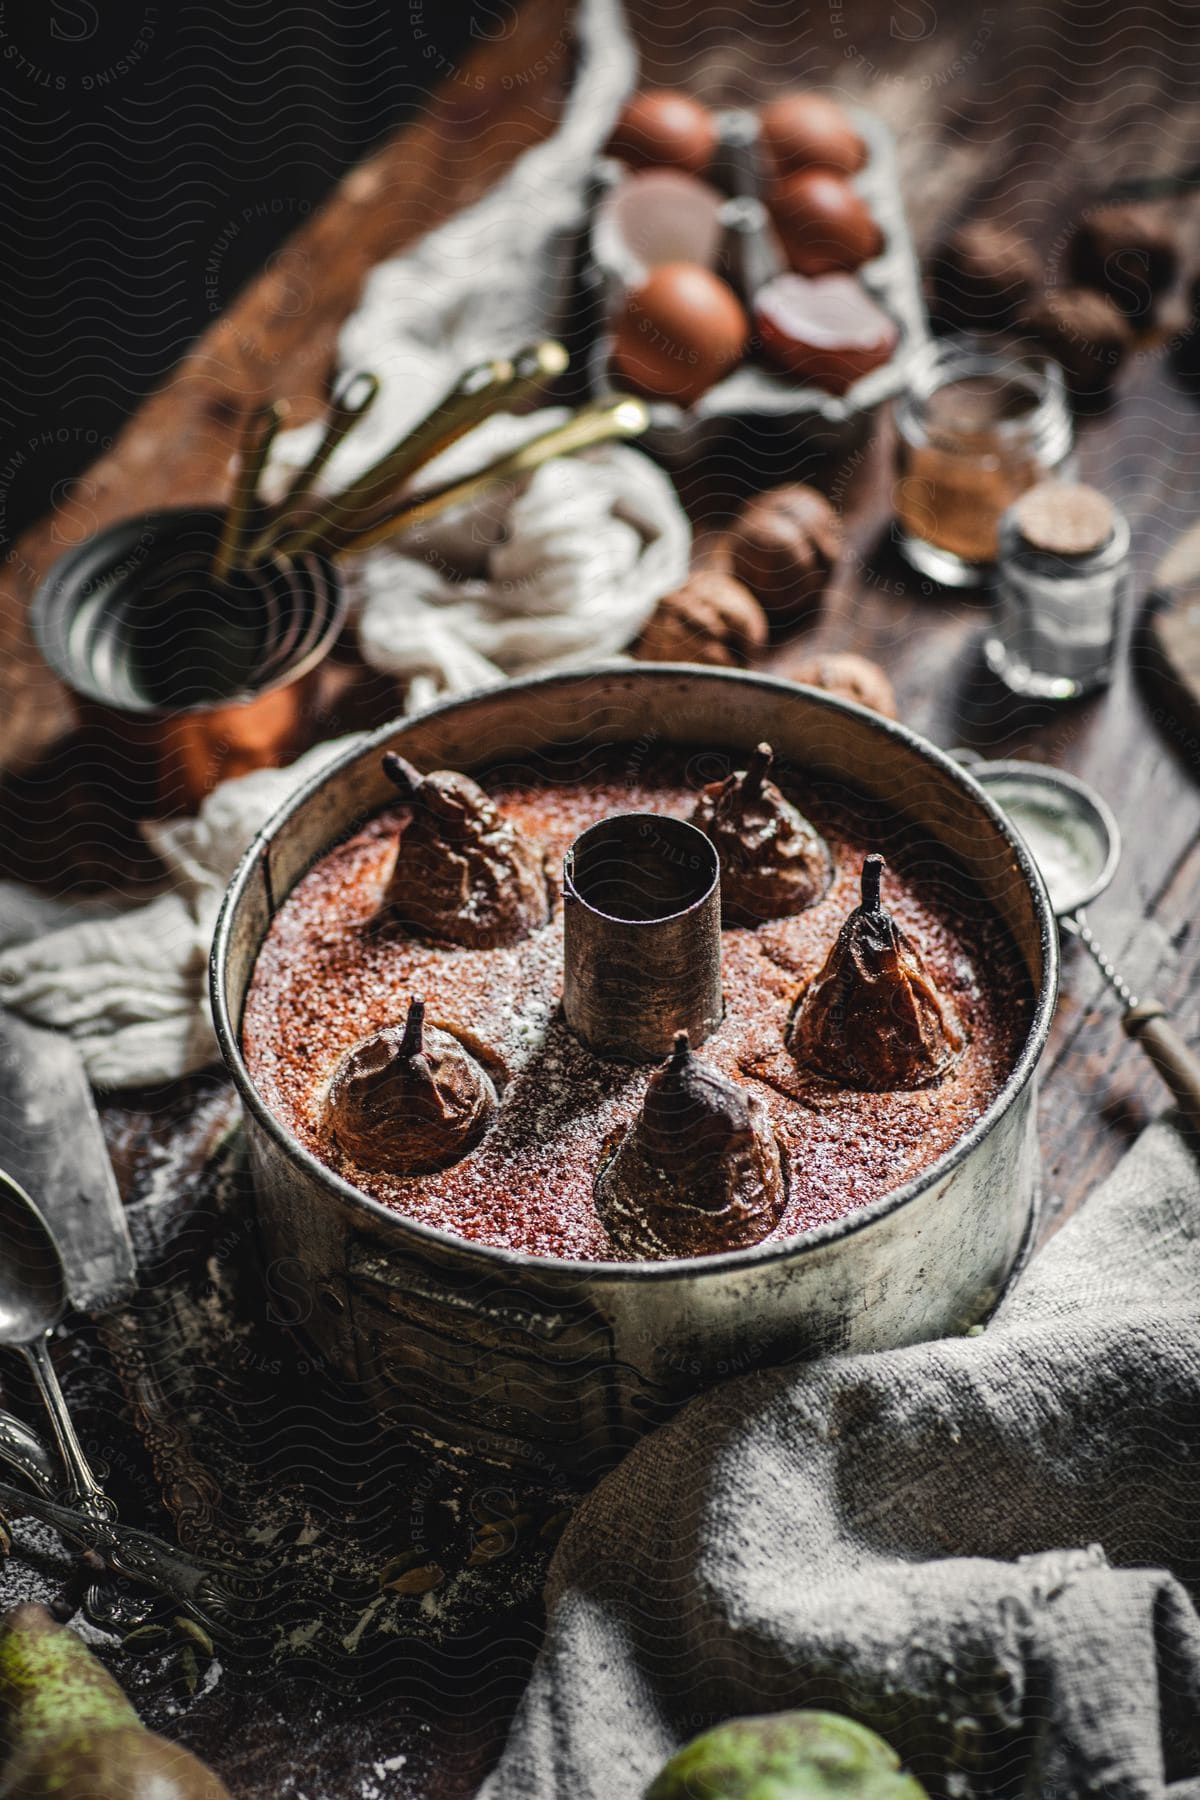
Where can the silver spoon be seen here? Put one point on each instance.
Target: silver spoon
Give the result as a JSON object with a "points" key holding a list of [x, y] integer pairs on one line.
{"points": [[33, 1300], [1075, 840], [23, 1450]]}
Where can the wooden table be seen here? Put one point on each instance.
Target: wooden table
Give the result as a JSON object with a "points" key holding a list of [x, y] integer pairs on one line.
{"points": [[1018, 110]]}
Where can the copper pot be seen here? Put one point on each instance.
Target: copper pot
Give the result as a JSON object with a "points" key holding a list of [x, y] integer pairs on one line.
{"points": [[557, 1365], [81, 621]]}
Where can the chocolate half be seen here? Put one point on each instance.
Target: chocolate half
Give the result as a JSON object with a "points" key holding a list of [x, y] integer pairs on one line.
{"points": [[773, 861], [710, 619], [873, 1019], [409, 1099], [463, 874], [698, 1171]]}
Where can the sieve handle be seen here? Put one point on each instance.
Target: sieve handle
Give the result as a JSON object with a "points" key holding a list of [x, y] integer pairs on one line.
{"points": [[1149, 1025]]}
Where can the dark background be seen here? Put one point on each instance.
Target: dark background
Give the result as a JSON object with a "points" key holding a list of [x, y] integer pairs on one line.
{"points": [[156, 153]]}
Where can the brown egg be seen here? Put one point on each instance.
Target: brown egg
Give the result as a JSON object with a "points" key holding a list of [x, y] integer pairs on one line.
{"points": [[825, 329], [660, 128], [805, 130], [824, 223], [679, 333]]}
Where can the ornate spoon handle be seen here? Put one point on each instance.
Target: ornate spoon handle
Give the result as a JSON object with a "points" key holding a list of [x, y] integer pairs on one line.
{"points": [[86, 1491], [1149, 1024], [216, 1596]]}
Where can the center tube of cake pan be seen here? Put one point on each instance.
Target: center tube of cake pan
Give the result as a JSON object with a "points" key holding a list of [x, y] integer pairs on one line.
{"points": [[641, 936]]}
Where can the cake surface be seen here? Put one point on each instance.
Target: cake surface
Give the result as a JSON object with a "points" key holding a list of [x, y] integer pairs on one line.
{"points": [[330, 973]]}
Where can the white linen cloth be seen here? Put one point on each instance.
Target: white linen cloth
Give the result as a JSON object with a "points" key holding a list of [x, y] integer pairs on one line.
{"points": [[565, 568], [132, 987], [987, 1548]]}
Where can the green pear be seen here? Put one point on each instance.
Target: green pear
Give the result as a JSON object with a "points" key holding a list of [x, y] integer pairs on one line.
{"points": [[786, 1756], [69, 1731]]}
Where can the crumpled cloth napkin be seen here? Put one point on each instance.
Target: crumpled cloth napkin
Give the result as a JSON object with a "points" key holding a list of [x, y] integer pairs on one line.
{"points": [[131, 987], [490, 279], [564, 569], [987, 1548]]}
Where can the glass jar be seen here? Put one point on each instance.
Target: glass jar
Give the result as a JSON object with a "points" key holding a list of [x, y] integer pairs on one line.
{"points": [[1062, 585], [975, 429]]}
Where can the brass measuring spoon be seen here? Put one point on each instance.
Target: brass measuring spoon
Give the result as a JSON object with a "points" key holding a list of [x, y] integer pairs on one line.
{"points": [[352, 402], [258, 435], [479, 393], [622, 417]]}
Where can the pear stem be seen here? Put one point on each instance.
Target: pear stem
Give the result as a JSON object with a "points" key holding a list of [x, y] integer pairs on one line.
{"points": [[681, 1054], [756, 771], [414, 1026], [402, 774], [872, 877]]}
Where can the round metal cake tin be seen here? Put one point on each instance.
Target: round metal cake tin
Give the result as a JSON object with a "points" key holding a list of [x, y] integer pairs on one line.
{"points": [[556, 1366]]}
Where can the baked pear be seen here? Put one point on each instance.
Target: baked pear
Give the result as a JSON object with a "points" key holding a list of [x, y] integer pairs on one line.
{"points": [[773, 861], [697, 1172], [873, 1019], [463, 874], [409, 1099]]}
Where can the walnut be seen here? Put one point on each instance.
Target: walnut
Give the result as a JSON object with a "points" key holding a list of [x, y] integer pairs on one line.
{"points": [[872, 1019], [462, 873], [773, 861], [710, 619], [697, 1172], [1085, 334], [408, 1099], [983, 276], [1130, 253], [1187, 345], [783, 546], [849, 676]]}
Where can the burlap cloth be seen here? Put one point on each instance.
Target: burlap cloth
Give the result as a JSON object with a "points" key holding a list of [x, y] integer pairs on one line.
{"points": [[984, 1547]]}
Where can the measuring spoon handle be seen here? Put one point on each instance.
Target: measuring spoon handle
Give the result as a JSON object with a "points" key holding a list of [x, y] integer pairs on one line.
{"points": [[1149, 1025], [621, 417], [86, 1491]]}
